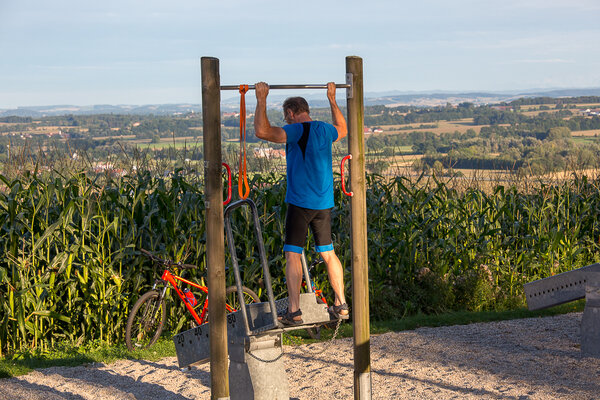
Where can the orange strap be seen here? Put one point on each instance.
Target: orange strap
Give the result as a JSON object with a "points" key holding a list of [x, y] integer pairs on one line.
{"points": [[243, 173]]}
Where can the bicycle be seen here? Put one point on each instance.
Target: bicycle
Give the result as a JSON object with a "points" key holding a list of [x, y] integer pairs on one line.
{"points": [[147, 317]]}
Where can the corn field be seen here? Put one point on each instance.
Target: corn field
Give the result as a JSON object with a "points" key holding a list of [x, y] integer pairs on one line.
{"points": [[71, 268]]}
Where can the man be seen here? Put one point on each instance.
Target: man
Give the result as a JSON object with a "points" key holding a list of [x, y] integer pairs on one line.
{"points": [[309, 190]]}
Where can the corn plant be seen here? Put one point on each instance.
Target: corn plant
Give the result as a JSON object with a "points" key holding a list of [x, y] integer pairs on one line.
{"points": [[71, 268]]}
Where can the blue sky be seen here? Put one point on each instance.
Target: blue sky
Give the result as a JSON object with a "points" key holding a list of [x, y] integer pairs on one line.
{"points": [[148, 51]]}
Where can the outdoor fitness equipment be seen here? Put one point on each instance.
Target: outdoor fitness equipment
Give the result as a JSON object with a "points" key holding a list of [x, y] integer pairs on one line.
{"points": [[243, 187], [215, 258], [570, 286], [254, 335]]}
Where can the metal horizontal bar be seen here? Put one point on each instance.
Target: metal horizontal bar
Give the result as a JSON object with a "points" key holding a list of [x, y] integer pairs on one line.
{"points": [[317, 86]]}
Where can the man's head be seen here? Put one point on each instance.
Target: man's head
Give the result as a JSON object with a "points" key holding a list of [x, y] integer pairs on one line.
{"points": [[295, 105]]}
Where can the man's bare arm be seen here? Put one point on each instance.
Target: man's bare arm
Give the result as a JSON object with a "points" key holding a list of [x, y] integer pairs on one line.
{"points": [[262, 126], [336, 114]]}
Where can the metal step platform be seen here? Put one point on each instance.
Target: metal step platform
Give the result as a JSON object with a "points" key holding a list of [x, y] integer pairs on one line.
{"points": [[192, 346]]}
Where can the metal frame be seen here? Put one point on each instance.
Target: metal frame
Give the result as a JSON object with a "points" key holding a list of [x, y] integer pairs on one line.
{"points": [[214, 239], [263, 261]]}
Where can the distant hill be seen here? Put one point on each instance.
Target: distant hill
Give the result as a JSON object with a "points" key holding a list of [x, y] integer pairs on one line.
{"points": [[393, 98], [156, 109]]}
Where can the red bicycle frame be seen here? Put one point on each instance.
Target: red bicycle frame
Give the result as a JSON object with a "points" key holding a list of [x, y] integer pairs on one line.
{"points": [[167, 276], [318, 292]]}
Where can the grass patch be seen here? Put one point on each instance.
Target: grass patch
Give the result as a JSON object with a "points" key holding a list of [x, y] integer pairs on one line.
{"points": [[584, 139], [466, 317], [70, 356]]}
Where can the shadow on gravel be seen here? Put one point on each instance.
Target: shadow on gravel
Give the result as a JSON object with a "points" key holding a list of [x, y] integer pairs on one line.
{"points": [[15, 389], [542, 353], [121, 384], [193, 373], [457, 389]]}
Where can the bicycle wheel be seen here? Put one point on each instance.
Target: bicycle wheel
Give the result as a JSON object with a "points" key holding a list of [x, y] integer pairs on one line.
{"points": [[145, 321], [232, 297]]}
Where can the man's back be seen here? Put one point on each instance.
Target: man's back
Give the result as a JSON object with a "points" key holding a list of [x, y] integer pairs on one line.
{"points": [[309, 163]]}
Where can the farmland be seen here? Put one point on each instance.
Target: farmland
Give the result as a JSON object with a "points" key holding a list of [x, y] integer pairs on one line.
{"points": [[71, 231], [72, 269], [512, 138]]}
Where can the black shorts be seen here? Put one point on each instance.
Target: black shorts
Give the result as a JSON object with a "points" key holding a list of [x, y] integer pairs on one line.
{"points": [[298, 220]]}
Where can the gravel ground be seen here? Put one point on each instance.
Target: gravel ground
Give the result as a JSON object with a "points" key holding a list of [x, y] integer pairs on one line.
{"points": [[536, 358]]}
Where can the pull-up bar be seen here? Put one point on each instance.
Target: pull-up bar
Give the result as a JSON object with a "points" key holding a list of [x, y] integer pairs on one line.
{"points": [[316, 86]]}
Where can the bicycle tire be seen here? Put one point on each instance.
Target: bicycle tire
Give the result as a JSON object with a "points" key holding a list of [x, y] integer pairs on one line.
{"points": [[146, 321], [231, 299]]}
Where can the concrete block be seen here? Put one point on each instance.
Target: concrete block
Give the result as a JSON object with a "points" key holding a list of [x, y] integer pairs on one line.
{"points": [[256, 370], [590, 323]]}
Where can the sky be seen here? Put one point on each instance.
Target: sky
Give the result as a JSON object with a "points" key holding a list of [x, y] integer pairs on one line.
{"points": [[148, 52]]}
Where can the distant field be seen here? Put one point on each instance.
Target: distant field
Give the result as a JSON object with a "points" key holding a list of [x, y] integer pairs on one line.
{"points": [[565, 175], [179, 143], [590, 133], [584, 140], [41, 130], [467, 123], [122, 137], [578, 105], [461, 126], [533, 110], [537, 112]]}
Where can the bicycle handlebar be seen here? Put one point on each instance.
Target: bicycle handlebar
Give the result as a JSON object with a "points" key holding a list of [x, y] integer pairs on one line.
{"points": [[315, 262], [167, 263]]}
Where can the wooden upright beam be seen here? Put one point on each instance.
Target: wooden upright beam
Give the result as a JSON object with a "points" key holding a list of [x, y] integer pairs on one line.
{"points": [[358, 203], [215, 242]]}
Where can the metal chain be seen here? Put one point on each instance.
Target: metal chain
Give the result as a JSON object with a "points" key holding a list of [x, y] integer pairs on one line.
{"points": [[297, 342], [267, 361]]}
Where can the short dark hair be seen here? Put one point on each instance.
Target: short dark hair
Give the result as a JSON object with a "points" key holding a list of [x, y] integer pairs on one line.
{"points": [[296, 104]]}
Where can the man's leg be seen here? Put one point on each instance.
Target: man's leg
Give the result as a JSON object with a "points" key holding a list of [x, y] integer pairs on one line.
{"points": [[293, 277], [336, 276], [296, 228], [321, 228]]}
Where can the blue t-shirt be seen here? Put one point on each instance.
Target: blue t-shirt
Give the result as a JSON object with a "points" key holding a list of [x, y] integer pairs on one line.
{"points": [[308, 158]]}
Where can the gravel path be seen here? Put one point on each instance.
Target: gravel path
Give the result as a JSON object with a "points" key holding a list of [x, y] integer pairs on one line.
{"points": [[536, 358]]}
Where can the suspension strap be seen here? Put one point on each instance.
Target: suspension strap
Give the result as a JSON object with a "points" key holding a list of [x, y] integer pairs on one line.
{"points": [[243, 188]]}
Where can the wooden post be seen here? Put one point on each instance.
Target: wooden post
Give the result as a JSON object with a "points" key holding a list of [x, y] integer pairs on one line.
{"points": [[358, 207], [215, 242]]}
